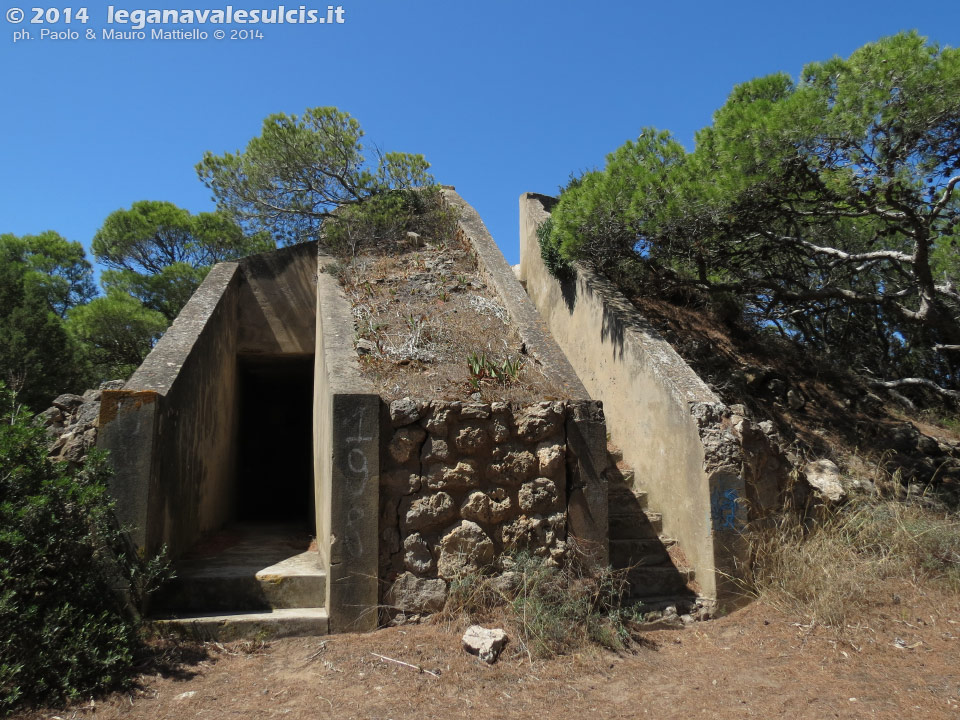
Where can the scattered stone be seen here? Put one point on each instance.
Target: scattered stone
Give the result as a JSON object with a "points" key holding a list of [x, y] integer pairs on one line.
{"points": [[505, 584], [365, 347], [795, 400], [903, 438], [68, 402], [411, 594], [768, 428], [484, 642], [824, 477], [464, 549], [927, 445]]}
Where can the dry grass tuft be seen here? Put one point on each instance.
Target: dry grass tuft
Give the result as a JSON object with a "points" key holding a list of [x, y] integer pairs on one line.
{"points": [[550, 610], [828, 570]]}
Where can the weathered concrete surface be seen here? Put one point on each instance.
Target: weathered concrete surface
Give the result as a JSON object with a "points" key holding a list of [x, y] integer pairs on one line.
{"points": [[587, 460], [128, 430], [175, 460], [671, 427], [523, 315], [277, 302], [244, 568], [175, 455], [346, 464], [293, 622]]}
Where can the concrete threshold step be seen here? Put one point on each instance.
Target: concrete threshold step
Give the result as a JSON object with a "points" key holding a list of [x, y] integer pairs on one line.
{"points": [[288, 622], [247, 568]]}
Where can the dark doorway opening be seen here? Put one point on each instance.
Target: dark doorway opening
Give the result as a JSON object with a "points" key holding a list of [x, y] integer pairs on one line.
{"points": [[275, 459]]}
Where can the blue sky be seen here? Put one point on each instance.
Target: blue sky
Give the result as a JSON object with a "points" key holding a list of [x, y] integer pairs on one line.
{"points": [[501, 96]]}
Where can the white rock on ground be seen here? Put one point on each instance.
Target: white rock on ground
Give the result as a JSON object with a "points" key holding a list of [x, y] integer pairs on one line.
{"points": [[485, 642], [824, 477]]}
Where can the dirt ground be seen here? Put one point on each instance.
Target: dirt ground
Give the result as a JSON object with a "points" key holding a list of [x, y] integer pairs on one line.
{"points": [[901, 660]]}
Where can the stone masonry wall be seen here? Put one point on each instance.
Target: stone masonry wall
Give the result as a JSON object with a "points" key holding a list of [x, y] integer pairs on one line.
{"points": [[462, 483]]}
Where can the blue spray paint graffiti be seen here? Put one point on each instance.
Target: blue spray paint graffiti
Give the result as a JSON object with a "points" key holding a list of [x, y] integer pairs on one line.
{"points": [[723, 508]]}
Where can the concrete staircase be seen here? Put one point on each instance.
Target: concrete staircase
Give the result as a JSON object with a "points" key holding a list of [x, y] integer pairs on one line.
{"points": [[655, 574], [247, 581]]}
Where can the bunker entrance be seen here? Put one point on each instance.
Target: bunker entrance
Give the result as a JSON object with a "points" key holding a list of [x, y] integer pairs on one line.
{"points": [[275, 458]]}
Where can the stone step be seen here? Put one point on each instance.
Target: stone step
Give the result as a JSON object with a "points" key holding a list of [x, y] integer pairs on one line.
{"points": [[623, 499], [243, 589], [619, 472], [615, 453], [642, 525], [289, 622], [246, 568], [645, 581], [627, 553]]}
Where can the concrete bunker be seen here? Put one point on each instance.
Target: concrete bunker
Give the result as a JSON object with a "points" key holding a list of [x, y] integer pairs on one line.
{"points": [[250, 428]]}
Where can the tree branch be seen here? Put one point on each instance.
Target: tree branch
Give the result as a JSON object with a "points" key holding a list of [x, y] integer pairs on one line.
{"points": [[916, 382], [945, 198]]}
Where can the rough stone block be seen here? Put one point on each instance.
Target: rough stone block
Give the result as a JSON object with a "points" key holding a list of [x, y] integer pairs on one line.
{"points": [[428, 512], [411, 594], [406, 442], [404, 412], [463, 476], [538, 495], [464, 549], [489, 509], [417, 557]]}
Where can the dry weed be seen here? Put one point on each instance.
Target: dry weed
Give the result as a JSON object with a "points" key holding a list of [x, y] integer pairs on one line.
{"points": [[828, 570]]}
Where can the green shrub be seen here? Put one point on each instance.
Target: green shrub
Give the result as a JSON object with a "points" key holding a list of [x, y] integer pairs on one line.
{"points": [[380, 222], [67, 627], [553, 259]]}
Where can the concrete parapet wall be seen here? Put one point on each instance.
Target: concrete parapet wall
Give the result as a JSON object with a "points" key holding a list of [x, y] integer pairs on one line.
{"points": [[174, 456], [672, 428], [523, 315], [173, 430], [346, 430]]}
